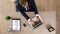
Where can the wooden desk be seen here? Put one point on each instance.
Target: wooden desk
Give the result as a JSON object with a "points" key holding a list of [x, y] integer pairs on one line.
{"points": [[8, 8], [48, 18]]}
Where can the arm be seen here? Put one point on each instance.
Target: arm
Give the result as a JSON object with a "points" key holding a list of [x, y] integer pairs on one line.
{"points": [[32, 2], [22, 10]]}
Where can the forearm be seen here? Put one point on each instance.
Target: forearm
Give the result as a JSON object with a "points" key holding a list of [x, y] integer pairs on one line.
{"points": [[34, 6], [22, 10]]}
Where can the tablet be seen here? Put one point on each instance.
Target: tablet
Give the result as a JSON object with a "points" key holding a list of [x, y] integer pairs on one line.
{"points": [[16, 24]]}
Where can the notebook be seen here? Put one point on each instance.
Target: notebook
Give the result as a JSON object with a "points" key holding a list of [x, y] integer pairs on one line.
{"points": [[16, 24]]}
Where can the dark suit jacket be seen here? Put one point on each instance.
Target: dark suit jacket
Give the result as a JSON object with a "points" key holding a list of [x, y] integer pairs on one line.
{"points": [[31, 4]]}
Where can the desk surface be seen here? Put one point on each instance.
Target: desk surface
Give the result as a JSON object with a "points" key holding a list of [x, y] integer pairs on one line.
{"points": [[7, 8], [48, 18]]}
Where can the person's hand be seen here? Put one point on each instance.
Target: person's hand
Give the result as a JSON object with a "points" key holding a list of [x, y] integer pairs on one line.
{"points": [[32, 22], [37, 19]]}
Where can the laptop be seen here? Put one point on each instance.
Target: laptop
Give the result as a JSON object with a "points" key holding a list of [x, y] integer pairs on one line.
{"points": [[36, 23]]}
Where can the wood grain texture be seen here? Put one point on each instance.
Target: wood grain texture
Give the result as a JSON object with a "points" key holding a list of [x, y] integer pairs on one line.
{"points": [[58, 16], [7, 7], [46, 5]]}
